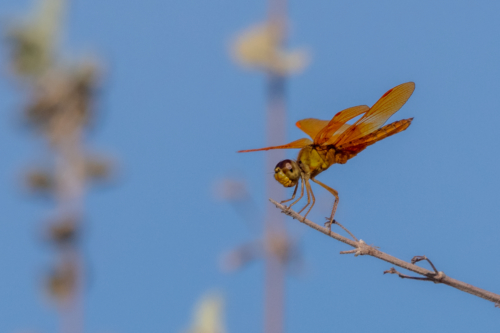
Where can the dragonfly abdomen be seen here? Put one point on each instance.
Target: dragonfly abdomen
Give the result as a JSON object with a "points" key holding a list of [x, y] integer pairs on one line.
{"points": [[380, 134], [335, 156]]}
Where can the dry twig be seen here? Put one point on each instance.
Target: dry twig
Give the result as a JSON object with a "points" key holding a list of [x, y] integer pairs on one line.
{"points": [[361, 248]]}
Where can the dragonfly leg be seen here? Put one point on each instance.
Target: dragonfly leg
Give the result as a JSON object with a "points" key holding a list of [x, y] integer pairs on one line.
{"points": [[293, 195], [305, 180], [308, 185], [301, 193], [335, 194]]}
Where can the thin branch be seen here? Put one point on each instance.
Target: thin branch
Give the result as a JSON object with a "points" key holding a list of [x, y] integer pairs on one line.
{"points": [[436, 278], [361, 248]]}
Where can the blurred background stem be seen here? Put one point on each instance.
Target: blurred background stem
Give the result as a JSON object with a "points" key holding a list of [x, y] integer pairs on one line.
{"points": [[59, 96], [274, 308]]}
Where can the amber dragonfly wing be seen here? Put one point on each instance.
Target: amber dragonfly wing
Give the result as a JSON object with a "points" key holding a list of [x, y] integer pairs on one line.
{"points": [[340, 119], [378, 114], [322, 130], [300, 143], [311, 126]]}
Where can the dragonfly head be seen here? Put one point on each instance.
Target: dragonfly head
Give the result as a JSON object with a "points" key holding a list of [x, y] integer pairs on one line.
{"points": [[287, 173]]}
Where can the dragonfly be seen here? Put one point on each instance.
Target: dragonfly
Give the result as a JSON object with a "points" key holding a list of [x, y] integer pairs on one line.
{"points": [[336, 141]]}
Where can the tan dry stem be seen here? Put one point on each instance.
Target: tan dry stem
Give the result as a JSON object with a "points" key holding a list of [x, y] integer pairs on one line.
{"points": [[361, 248]]}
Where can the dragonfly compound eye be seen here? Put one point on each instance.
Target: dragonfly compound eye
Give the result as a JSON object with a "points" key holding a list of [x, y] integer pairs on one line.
{"points": [[284, 165], [287, 173]]}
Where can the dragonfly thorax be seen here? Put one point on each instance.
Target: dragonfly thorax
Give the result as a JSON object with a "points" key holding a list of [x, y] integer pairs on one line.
{"points": [[287, 173], [315, 159]]}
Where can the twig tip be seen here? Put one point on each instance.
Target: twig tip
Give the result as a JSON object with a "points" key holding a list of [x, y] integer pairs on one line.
{"points": [[392, 270]]}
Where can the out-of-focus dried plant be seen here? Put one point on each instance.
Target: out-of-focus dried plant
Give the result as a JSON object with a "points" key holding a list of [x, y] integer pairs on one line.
{"points": [[62, 281], [61, 100], [60, 96], [39, 180], [230, 190], [260, 47], [99, 168], [34, 39], [276, 245], [235, 192], [241, 256], [208, 315], [63, 232], [282, 247]]}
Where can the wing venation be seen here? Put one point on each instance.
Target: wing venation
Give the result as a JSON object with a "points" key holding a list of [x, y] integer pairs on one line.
{"points": [[311, 126], [378, 114], [300, 143], [337, 122]]}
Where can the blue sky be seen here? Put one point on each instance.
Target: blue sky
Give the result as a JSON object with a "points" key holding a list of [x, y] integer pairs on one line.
{"points": [[174, 110]]}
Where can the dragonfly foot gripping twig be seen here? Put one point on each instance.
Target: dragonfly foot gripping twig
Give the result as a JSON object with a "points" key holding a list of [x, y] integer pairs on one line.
{"points": [[328, 224]]}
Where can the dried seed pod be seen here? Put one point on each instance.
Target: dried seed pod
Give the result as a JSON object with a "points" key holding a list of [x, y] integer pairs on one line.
{"points": [[61, 282], [229, 189], [98, 168], [39, 180], [241, 256], [40, 112], [63, 232]]}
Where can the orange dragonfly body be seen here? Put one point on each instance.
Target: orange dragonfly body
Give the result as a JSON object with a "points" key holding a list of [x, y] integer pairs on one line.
{"points": [[336, 141]]}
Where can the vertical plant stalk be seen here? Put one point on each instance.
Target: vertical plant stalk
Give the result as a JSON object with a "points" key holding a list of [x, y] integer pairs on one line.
{"points": [[70, 175], [274, 223], [59, 97], [274, 307], [60, 111]]}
